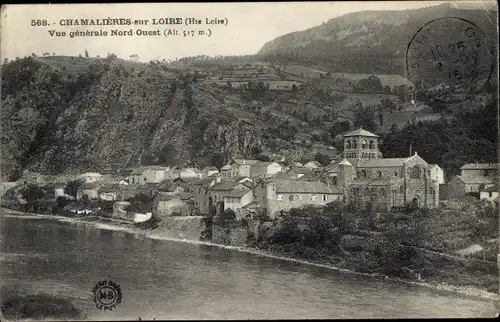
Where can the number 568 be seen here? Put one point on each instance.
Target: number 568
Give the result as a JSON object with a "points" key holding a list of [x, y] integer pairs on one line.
{"points": [[39, 22]]}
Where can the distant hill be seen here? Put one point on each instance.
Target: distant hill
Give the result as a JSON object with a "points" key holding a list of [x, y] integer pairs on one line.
{"points": [[370, 41]]}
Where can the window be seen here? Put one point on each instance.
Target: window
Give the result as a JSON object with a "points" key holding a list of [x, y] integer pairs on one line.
{"points": [[415, 172], [324, 197], [395, 173], [383, 193], [145, 179], [380, 174], [363, 173], [491, 194], [363, 144], [280, 197], [348, 145], [401, 189], [334, 181], [290, 197], [314, 197], [354, 144], [296, 197], [372, 145]]}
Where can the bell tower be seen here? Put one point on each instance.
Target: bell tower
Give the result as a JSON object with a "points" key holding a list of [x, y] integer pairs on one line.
{"points": [[361, 145]]}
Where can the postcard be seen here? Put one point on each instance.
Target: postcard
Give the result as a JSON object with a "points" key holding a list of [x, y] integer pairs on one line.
{"points": [[253, 160]]}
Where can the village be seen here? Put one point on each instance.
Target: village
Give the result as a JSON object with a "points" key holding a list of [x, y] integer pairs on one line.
{"points": [[359, 177]]}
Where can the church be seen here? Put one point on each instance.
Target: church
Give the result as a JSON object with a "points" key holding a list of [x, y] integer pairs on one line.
{"points": [[370, 181]]}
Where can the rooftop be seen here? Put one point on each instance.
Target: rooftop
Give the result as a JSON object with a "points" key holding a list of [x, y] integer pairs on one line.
{"points": [[289, 186], [389, 162], [360, 132], [371, 181], [483, 166], [90, 186], [238, 193], [476, 180], [224, 185], [491, 189], [244, 161], [299, 170]]}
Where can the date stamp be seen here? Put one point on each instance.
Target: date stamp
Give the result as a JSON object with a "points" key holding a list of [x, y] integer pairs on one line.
{"points": [[452, 59], [107, 294]]}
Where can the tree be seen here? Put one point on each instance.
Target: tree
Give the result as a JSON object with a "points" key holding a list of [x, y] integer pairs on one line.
{"points": [[86, 53], [364, 116], [71, 187], [32, 193], [322, 158], [62, 202], [388, 104]]}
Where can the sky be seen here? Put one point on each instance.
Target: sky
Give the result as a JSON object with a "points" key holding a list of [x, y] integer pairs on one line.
{"points": [[249, 27]]}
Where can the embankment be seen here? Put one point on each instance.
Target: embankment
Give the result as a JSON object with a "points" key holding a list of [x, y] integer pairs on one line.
{"points": [[189, 229]]}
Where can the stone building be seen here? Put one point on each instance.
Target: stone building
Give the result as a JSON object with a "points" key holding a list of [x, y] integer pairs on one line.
{"points": [[237, 168], [473, 178], [371, 181], [276, 195], [264, 169]]}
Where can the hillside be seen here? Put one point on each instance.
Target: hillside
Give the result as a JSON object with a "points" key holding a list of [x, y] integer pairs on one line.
{"points": [[368, 41], [68, 114]]}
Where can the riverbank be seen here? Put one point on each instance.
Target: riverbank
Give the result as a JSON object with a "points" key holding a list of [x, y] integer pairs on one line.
{"points": [[111, 224]]}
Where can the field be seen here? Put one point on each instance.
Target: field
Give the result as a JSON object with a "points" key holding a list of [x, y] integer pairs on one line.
{"points": [[390, 80]]}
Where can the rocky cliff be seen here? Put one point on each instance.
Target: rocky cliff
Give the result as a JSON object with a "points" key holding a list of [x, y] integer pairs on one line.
{"points": [[69, 114]]}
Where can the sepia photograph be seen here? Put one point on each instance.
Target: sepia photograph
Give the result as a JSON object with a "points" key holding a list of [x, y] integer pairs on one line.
{"points": [[249, 161]]}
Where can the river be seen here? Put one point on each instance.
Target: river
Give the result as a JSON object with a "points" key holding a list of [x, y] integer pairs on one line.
{"points": [[174, 280]]}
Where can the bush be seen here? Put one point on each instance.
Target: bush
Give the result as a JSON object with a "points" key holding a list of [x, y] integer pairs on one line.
{"points": [[38, 307]]}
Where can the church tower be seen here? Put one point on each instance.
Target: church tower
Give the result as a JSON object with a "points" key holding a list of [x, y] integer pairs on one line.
{"points": [[361, 145]]}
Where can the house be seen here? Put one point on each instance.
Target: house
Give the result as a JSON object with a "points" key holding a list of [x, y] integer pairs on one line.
{"points": [[264, 169], [89, 189], [5, 185], [173, 205], [191, 173], [282, 195], [59, 190], [91, 177], [297, 172], [210, 171], [490, 193], [237, 168], [237, 198], [436, 173], [223, 188], [143, 175], [110, 192], [473, 178], [312, 165], [170, 187], [472, 170], [172, 173], [459, 186]]}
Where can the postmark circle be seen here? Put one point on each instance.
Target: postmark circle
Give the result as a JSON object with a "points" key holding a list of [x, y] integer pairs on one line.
{"points": [[450, 58], [107, 295]]}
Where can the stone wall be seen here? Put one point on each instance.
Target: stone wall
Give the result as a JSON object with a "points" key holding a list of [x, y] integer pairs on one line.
{"points": [[229, 234], [189, 228]]}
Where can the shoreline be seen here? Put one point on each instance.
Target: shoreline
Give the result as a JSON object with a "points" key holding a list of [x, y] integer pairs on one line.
{"points": [[102, 223]]}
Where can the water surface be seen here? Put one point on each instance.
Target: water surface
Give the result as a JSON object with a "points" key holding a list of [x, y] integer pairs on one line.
{"points": [[174, 280]]}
